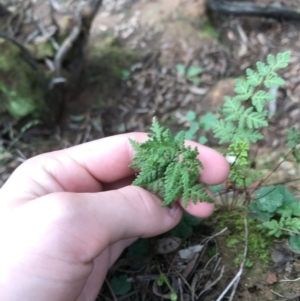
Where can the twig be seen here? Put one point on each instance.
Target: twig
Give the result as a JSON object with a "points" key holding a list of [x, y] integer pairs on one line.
{"points": [[212, 283], [284, 297], [66, 46], [180, 288], [45, 33], [57, 7], [289, 280], [271, 172]]}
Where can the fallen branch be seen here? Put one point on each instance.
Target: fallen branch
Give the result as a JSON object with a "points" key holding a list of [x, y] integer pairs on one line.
{"points": [[253, 10]]}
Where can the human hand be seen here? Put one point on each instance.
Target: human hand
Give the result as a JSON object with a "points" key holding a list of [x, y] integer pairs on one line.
{"points": [[66, 216]]}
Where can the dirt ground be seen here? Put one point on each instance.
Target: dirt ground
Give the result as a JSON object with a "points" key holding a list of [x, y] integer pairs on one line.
{"points": [[130, 77]]}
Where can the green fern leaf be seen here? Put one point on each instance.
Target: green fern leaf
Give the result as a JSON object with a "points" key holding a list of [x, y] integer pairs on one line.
{"points": [[224, 131], [260, 98], [253, 120], [134, 144], [273, 81], [293, 137], [272, 228], [243, 89], [263, 69], [282, 59], [271, 61], [246, 135], [291, 223], [198, 193], [232, 108], [157, 131], [254, 79], [160, 168]]}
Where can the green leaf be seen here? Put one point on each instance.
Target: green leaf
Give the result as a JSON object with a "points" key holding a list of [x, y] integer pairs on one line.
{"points": [[196, 81], [285, 210], [194, 127], [261, 215], [163, 173], [260, 98], [180, 69], [271, 61], [263, 69], [190, 219], [120, 286], [191, 116], [273, 81], [193, 71], [243, 89], [203, 140], [216, 188], [141, 248], [282, 59], [272, 228], [268, 199], [223, 131], [246, 135], [208, 120], [125, 74], [189, 135], [294, 243], [253, 78], [293, 137], [232, 108], [185, 227], [255, 120]]}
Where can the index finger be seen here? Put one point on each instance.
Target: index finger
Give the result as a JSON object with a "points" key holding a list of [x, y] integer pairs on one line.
{"points": [[108, 159], [84, 167]]}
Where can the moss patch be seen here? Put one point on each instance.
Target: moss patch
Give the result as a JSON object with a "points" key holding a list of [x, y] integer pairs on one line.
{"points": [[20, 90], [108, 60], [259, 244]]}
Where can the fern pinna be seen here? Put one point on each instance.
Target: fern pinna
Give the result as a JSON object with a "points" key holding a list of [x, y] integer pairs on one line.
{"points": [[239, 124], [168, 168]]}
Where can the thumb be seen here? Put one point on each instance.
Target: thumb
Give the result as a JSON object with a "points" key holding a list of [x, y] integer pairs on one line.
{"points": [[95, 220]]}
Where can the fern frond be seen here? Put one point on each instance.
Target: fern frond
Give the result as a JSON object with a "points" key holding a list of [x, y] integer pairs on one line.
{"points": [[273, 81], [271, 61], [224, 131], [253, 78], [253, 120], [260, 98], [246, 135], [243, 89], [263, 69], [157, 131], [282, 59], [232, 109], [167, 167]]}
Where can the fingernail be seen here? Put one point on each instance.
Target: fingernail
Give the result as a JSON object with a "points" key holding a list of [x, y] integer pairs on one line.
{"points": [[174, 209]]}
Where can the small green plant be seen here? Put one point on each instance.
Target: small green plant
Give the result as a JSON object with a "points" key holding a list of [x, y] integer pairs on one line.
{"points": [[125, 74], [168, 168], [205, 123], [279, 212], [163, 279], [293, 137], [119, 285], [185, 227], [191, 73], [242, 116]]}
